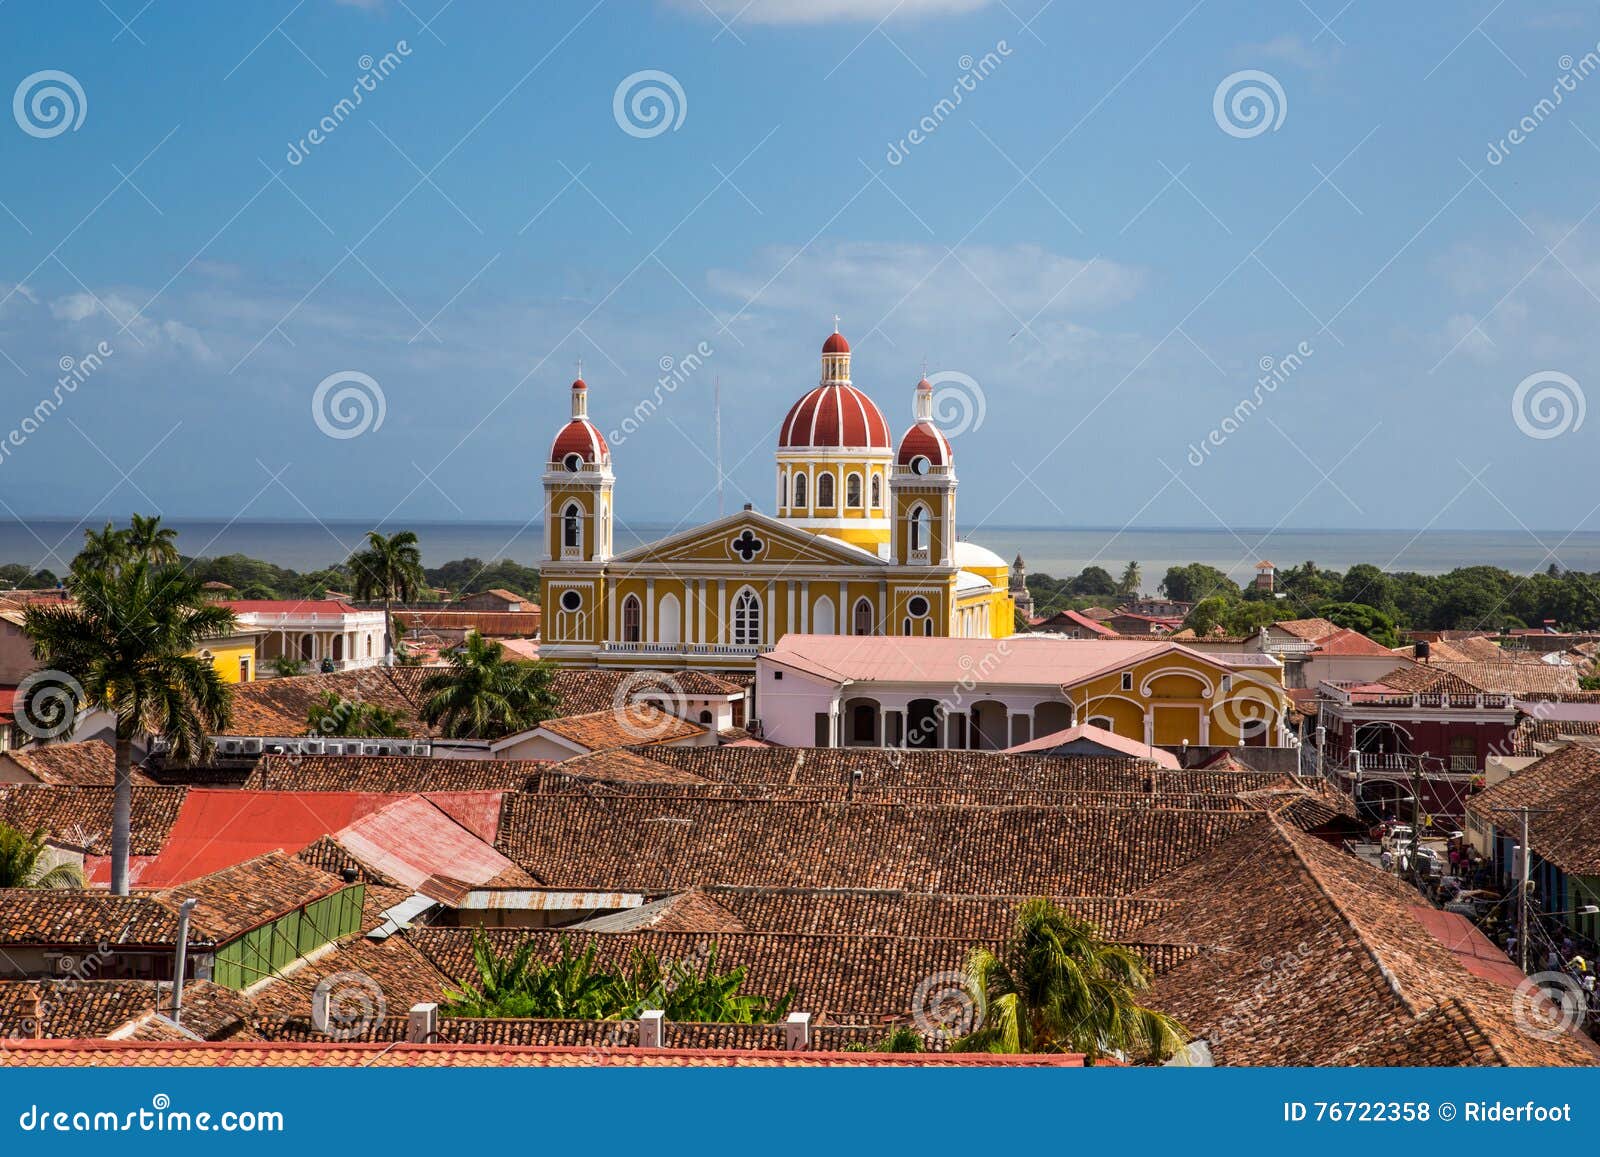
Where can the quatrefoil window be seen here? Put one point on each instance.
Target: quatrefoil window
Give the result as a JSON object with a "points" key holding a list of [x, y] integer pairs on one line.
{"points": [[747, 545]]}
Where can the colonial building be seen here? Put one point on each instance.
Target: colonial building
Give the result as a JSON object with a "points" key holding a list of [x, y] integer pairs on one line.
{"points": [[863, 542]]}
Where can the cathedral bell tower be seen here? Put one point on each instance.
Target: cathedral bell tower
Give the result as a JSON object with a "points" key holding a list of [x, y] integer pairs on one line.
{"points": [[577, 489], [923, 491]]}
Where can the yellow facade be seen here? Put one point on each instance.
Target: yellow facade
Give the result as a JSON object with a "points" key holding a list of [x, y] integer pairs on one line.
{"points": [[234, 657], [1177, 697], [859, 545]]}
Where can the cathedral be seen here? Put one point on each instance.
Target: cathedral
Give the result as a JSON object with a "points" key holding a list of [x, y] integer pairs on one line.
{"points": [[862, 542]]}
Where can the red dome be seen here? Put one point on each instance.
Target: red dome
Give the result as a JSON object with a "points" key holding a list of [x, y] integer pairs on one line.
{"points": [[834, 417], [836, 344], [579, 437], [927, 441]]}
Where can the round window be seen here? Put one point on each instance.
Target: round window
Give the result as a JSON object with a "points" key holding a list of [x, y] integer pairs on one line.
{"points": [[919, 464], [571, 600], [918, 606], [573, 462]]}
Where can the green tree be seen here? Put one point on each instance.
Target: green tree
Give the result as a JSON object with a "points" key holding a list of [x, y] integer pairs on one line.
{"points": [[102, 550], [287, 666], [1207, 615], [902, 1038], [484, 695], [1132, 580], [333, 716], [146, 538], [129, 640], [1370, 621], [1190, 584], [1058, 986], [388, 568], [1095, 582], [22, 862]]}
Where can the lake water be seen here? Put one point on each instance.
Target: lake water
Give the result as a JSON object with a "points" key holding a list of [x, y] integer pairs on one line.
{"points": [[1059, 551]]}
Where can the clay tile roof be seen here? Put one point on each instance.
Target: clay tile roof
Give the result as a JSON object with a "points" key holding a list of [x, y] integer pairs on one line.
{"points": [[619, 727], [1426, 680], [398, 974], [74, 1009], [323, 1054], [1513, 678], [620, 765], [1564, 787], [64, 917], [252, 893], [281, 706], [1313, 957], [1531, 732], [1311, 630], [1349, 642], [390, 773], [90, 762], [82, 815]]}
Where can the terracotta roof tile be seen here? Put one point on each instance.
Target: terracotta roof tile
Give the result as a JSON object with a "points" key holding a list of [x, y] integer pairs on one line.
{"points": [[89, 763], [82, 815], [390, 773], [69, 917], [1564, 787], [252, 893], [620, 727]]}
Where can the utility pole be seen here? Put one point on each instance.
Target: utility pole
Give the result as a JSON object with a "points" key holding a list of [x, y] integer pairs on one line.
{"points": [[1520, 872]]}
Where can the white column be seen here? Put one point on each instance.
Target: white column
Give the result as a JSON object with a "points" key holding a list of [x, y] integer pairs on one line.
{"points": [[769, 616], [883, 607], [1149, 730], [649, 610], [805, 606], [700, 587], [1205, 726], [723, 634], [789, 619], [610, 588], [841, 621]]}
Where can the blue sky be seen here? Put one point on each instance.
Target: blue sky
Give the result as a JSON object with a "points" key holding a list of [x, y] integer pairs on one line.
{"points": [[1081, 239]]}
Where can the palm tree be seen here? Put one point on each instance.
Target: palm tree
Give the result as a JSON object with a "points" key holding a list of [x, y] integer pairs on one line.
{"points": [[333, 716], [484, 695], [128, 640], [21, 866], [1132, 580], [102, 549], [146, 538], [388, 569], [1056, 985]]}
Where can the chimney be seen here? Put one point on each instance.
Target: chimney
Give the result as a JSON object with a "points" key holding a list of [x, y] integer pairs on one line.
{"points": [[797, 1032], [348, 875], [651, 1024], [422, 1027], [319, 1007], [33, 1021]]}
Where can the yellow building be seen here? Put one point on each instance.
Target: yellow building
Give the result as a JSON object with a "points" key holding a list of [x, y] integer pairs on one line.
{"points": [[234, 655], [863, 543]]}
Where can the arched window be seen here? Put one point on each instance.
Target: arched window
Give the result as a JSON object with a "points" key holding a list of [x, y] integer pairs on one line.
{"points": [[877, 490], [921, 523], [861, 624], [572, 526], [630, 619], [783, 491], [1101, 721], [822, 617], [668, 620], [825, 489], [852, 490], [800, 490], [747, 619]]}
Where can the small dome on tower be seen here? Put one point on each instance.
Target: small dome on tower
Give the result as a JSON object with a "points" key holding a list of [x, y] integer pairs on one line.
{"points": [[924, 439], [836, 344], [579, 441], [835, 415]]}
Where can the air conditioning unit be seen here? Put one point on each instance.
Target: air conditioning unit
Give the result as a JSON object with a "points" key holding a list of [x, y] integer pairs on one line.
{"points": [[250, 746], [231, 746], [371, 749], [421, 749], [310, 746]]}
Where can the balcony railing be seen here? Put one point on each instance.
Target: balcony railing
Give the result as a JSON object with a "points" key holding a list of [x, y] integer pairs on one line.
{"points": [[687, 648]]}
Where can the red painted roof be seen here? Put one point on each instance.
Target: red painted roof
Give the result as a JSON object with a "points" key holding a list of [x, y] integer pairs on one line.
{"points": [[925, 440], [8, 697], [579, 437], [833, 416], [836, 344], [411, 840], [1351, 642], [290, 607]]}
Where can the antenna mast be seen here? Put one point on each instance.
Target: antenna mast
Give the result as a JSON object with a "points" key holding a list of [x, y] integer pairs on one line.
{"points": [[716, 410]]}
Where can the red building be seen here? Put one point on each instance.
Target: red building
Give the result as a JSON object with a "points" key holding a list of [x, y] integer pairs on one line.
{"points": [[1416, 732]]}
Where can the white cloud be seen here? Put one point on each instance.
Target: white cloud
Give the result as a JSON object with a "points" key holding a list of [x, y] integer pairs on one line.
{"points": [[896, 285], [1293, 50], [124, 312], [828, 11]]}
